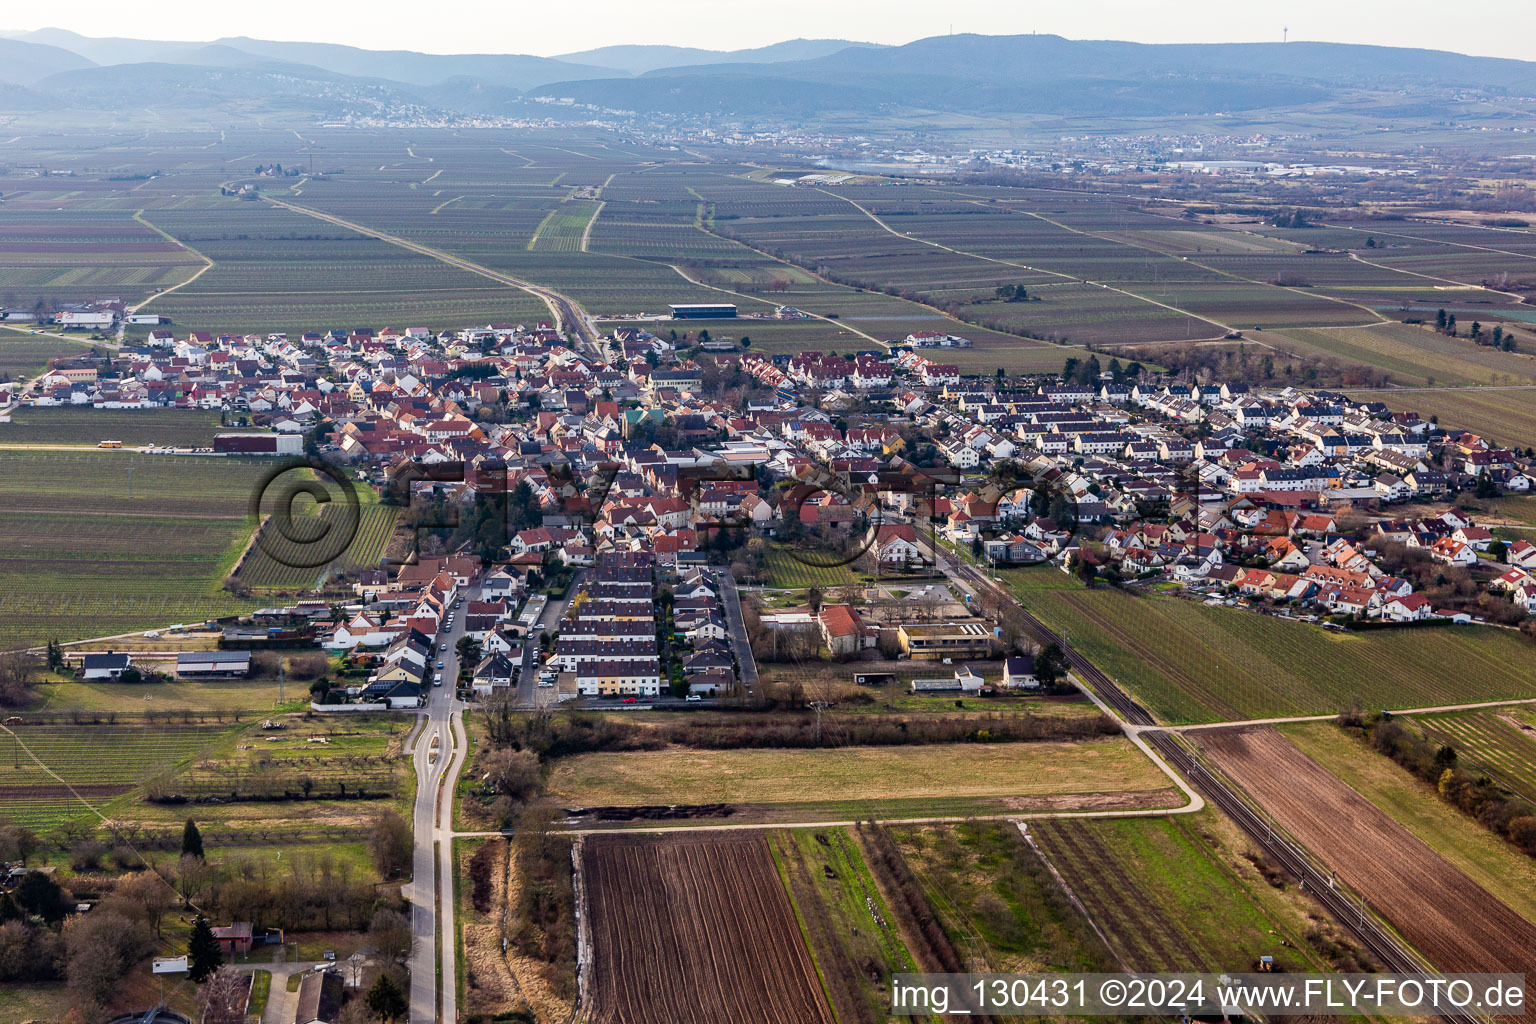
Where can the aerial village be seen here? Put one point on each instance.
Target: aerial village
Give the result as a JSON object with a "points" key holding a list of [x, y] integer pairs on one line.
{"points": [[648, 487]]}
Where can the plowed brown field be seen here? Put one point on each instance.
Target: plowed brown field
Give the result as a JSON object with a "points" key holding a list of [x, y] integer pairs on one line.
{"points": [[1448, 917], [695, 930]]}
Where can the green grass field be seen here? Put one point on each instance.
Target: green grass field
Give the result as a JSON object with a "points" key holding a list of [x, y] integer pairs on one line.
{"points": [[996, 900], [844, 917], [916, 781], [1412, 354], [784, 570], [1190, 663], [1487, 859], [1176, 894], [375, 524], [214, 695]]}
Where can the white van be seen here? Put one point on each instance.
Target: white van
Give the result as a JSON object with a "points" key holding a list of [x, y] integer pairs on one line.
{"points": [[437, 680]]}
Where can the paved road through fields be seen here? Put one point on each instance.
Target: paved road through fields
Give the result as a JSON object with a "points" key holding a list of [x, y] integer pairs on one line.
{"points": [[431, 889]]}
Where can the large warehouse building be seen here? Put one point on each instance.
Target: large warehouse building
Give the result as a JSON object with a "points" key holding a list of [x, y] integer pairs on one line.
{"points": [[704, 311], [258, 444]]}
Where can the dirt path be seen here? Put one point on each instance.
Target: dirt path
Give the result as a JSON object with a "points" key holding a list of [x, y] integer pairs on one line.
{"points": [[564, 310], [208, 265]]}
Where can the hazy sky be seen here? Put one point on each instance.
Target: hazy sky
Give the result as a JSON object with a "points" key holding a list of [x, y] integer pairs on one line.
{"points": [[1488, 27]]}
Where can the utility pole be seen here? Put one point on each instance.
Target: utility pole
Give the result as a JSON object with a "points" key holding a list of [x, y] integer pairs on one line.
{"points": [[818, 705]]}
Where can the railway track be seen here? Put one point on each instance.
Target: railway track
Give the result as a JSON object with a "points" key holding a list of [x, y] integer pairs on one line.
{"points": [[1388, 950]]}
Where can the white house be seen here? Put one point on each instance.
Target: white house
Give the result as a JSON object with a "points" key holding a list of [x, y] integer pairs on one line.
{"points": [[106, 666], [1411, 608], [1019, 673]]}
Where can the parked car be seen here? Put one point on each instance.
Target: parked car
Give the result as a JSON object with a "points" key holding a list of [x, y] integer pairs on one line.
{"points": [[631, 700], [693, 697]]}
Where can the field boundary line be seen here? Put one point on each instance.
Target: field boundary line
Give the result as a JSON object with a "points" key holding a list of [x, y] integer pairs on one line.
{"points": [[207, 261], [1028, 342], [977, 200], [533, 239], [1285, 720], [586, 234], [1037, 270]]}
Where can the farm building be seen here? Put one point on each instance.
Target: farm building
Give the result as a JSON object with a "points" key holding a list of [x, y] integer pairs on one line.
{"points": [[83, 318], [106, 666], [213, 664], [704, 311], [258, 444]]}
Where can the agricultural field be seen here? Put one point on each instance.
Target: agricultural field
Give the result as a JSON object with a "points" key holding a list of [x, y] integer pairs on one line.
{"points": [[717, 907], [1441, 911], [1507, 415], [1499, 743], [213, 696], [54, 774], [564, 229], [179, 428], [277, 270], [99, 543], [1411, 354], [46, 252], [1484, 856], [329, 758], [996, 900], [1190, 663], [1169, 899], [856, 782], [24, 356], [1516, 510], [268, 563], [783, 569], [309, 782], [853, 937]]}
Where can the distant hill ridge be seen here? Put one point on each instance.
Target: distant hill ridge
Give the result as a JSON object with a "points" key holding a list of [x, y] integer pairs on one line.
{"points": [[976, 74]]}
